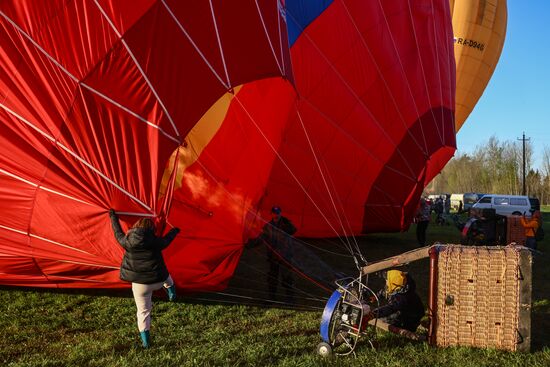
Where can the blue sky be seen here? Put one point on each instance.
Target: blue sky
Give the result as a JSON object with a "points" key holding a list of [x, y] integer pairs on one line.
{"points": [[518, 94]]}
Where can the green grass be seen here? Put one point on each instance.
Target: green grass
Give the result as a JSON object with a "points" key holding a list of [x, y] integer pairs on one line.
{"points": [[53, 328]]}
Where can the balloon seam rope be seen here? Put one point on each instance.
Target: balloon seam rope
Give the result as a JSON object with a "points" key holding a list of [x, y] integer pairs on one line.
{"points": [[438, 72], [59, 244], [43, 239], [39, 47], [279, 9], [322, 175], [89, 264], [194, 45], [284, 163], [267, 37], [74, 155], [220, 47], [356, 243], [361, 102], [449, 66], [43, 187], [350, 138], [76, 80], [289, 169], [403, 71], [74, 278], [198, 161], [149, 123], [424, 150], [137, 214], [139, 68], [422, 68]]}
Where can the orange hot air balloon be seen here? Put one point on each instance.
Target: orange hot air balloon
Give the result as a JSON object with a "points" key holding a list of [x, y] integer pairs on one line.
{"points": [[479, 28]]}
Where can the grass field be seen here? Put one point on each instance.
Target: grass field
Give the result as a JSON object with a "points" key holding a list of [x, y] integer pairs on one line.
{"points": [[52, 328]]}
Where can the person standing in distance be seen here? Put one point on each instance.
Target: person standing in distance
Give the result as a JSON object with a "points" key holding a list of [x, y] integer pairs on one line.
{"points": [[531, 225], [422, 220], [277, 234], [143, 266]]}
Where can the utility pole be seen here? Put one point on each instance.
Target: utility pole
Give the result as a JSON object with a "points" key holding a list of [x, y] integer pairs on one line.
{"points": [[524, 140]]}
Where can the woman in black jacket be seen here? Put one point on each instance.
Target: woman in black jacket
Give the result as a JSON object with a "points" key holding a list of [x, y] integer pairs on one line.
{"points": [[144, 266]]}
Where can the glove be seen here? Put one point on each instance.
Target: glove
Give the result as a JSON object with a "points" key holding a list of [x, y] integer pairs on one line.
{"points": [[112, 213], [176, 229]]}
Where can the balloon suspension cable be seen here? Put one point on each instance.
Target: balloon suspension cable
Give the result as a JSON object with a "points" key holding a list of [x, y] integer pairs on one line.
{"points": [[294, 287], [134, 214]]}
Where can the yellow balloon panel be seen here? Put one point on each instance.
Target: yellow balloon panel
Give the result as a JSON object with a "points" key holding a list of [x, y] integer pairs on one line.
{"points": [[479, 28]]}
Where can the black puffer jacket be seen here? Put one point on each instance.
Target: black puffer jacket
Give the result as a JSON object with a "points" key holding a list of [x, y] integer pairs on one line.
{"points": [[143, 262]]}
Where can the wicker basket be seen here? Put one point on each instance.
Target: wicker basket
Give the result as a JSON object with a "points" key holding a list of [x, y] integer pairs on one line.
{"points": [[483, 297]]}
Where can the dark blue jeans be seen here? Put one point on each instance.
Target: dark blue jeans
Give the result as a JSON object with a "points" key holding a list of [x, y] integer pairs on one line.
{"points": [[531, 242]]}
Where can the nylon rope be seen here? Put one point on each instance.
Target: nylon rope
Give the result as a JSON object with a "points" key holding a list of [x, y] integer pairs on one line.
{"points": [[422, 68], [279, 9], [227, 87], [355, 142], [379, 71], [43, 187], [356, 243], [450, 66], [403, 71], [268, 38], [305, 295], [285, 164], [219, 44], [325, 181], [77, 81], [76, 156], [352, 91], [151, 87], [438, 71], [253, 268], [241, 303]]}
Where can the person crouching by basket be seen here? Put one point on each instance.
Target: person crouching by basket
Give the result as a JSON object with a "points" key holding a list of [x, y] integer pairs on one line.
{"points": [[143, 266], [404, 308]]}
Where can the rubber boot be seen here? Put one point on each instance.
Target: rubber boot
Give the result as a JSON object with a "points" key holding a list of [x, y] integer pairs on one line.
{"points": [[171, 291], [145, 339]]}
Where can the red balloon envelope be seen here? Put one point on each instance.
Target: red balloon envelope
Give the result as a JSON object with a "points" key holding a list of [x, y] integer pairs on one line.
{"points": [[372, 124], [374, 120], [95, 96], [342, 123]]}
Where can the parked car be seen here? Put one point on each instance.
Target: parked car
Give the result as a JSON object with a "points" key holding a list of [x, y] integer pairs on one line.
{"points": [[464, 201], [470, 198], [505, 204]]}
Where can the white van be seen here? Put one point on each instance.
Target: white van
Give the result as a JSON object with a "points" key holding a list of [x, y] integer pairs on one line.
{"points": [[504, 204], [464, 201]]}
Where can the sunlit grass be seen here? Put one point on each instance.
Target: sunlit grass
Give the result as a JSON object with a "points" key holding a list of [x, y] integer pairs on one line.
{"points": [[51, 328]]}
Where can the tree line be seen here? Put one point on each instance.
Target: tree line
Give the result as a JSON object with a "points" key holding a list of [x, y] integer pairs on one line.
{"points": [[496, 167]]}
